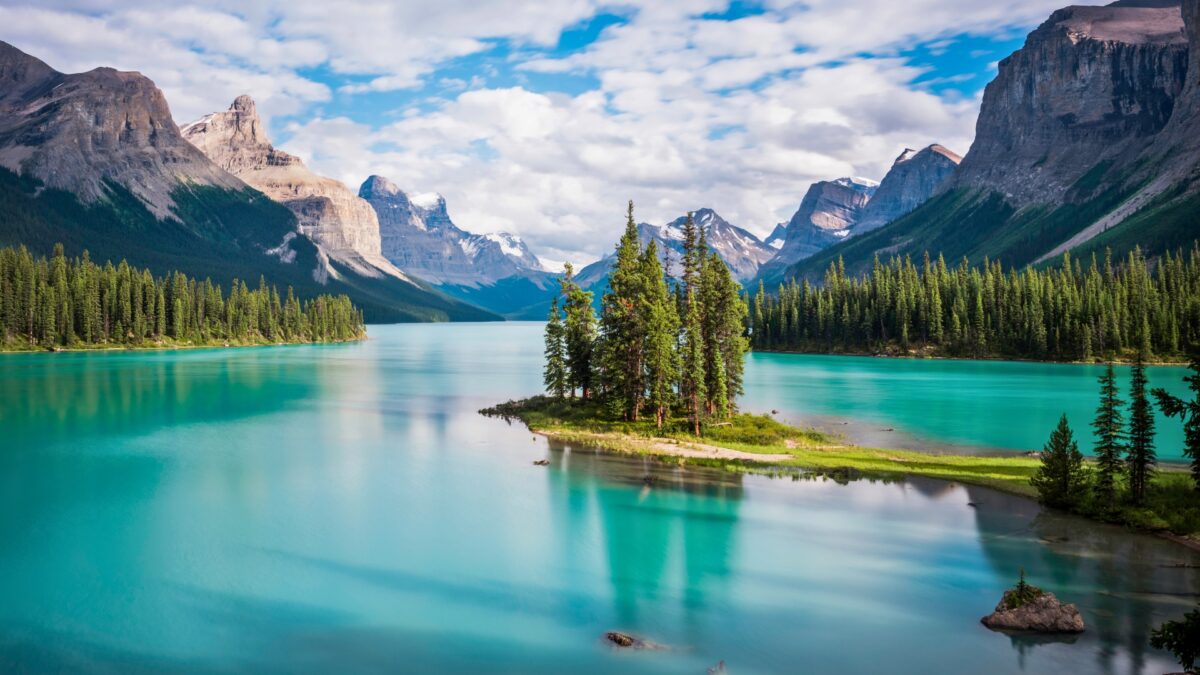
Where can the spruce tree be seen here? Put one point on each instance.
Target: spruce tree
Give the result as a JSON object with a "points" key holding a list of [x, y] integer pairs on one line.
{"points": [[623, 325], [1109, 427], [661, 358], [1060, 480], [1142, 459], [555, 373], [579, 334], [1188, 412], [692, 384]]}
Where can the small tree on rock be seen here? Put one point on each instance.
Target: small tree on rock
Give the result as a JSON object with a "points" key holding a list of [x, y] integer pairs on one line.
{"points": [[1181, 638]]}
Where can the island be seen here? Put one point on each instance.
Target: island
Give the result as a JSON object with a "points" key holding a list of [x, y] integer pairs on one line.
{"points": [[658, 373]]}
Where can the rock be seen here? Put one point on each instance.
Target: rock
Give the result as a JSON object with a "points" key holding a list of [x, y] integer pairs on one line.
{"points": [[76, 132], [541, 462], [627, 641], [914, 177], [344, 226], [1042, 614], [718, 669], [419, 237]]}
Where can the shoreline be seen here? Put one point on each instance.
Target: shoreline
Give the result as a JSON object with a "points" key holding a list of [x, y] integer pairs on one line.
{"points": [[982, 359], [702, 454], [172, 347], [761, 445]]}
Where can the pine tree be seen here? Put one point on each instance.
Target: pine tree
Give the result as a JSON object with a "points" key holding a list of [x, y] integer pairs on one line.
{"points": [[661, 358], [1141, 459], [579, 334], [623, 325], [692, 384], [1060, 480], [555, 373], [1188, 412], [1109, 427]]}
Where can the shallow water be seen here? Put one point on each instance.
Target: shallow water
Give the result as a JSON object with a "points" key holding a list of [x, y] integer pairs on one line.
{"points": [[344, 509], [933, 404]]}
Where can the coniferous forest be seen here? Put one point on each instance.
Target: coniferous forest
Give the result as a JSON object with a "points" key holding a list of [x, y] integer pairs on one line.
{"points": [[1074, 310], [77, 303], [661, 345]]}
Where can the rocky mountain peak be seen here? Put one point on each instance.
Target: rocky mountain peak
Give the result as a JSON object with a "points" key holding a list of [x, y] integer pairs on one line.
{"points": [[419, 237], [915, 176], [344, 226], [83, 131], [1090, 85]]}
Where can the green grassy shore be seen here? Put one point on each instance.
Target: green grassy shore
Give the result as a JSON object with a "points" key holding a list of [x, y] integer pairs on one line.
{"points": [[760, 444]]}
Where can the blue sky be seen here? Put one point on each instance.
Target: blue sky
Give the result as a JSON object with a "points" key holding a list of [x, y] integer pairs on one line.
{"points": [[543, 118]]}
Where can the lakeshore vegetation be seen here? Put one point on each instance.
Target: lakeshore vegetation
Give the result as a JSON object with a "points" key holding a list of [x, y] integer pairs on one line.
{"points": [[1073, 311], [77, 304]]}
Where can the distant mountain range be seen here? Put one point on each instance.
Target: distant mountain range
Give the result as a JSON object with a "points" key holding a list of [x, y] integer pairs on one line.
{"points": [[94, 161], [1089, 137]]}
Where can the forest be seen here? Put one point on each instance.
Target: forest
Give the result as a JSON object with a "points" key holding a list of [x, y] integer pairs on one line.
{"points": [[660, 346], [56, 302], [1071, 311]]}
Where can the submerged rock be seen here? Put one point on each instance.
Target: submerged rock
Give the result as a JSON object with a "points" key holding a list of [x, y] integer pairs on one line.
{"points": [[1041, 613], [627, 641]]}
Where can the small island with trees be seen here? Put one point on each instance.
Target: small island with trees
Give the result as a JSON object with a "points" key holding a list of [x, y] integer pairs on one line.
{"points": [[658, 373], [59, 304]]}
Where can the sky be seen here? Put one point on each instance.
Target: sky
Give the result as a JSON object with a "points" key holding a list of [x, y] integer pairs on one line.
{"points": [[543, 117]]}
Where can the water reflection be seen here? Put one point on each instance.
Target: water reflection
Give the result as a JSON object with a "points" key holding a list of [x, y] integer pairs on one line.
{"points": [[1123, 583]]}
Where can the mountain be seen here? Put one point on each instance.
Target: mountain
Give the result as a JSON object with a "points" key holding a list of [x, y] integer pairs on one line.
{"points": [[743, 252], [915, 176], [777, 237], [826, 214], [344, 226], [94, 161], [496, 271], [1087, 138], [420, 238]]}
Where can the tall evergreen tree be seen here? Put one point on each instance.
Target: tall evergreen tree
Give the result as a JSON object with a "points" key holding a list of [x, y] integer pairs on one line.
{"points": [[1109, 427], [661, 358], [579, 334], [1142, 458], [1188, 412], [555, 372], [1060, 480], [623, 325], [693, 383]]}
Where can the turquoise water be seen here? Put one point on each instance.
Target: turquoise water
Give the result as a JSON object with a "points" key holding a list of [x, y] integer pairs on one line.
{"points": [[933, 404], [344, 509]]}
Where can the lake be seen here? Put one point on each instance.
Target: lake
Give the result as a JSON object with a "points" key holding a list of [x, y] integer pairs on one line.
{"points": [[343, 508]]}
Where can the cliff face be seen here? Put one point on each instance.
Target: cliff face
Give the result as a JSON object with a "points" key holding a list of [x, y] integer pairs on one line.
{"points": [[344, 226], [914, 177], [1091, 85], [1088, 138], [419, 237], [76, 132], [825, 217]]}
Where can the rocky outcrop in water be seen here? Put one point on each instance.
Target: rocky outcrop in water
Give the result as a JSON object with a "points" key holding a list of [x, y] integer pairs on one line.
{"points": [[344, 226], [1041, 614], [79, 132]]}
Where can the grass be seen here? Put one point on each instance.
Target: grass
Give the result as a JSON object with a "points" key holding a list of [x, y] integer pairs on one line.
{"points": [[775, 448]]}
